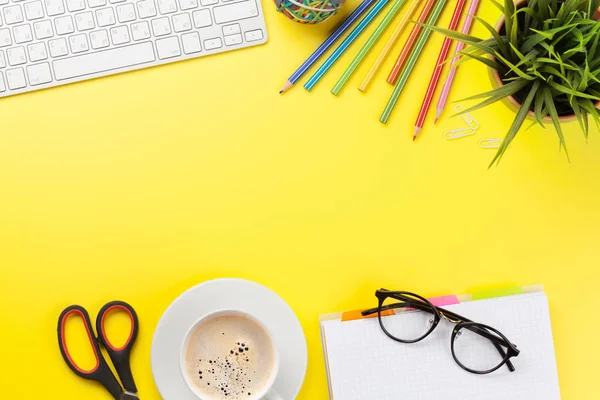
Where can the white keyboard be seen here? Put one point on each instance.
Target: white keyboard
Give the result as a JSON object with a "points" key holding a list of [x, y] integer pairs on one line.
{"points": [[45, 43]]}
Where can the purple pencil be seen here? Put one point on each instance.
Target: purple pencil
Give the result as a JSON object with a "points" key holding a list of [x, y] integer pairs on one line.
{"points": [[461, 45]]}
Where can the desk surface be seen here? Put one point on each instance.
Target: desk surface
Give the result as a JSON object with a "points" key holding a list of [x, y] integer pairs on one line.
{"points": [[141, 185]]}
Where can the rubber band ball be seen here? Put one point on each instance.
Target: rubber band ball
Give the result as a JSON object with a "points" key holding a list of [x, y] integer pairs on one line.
{"points": [[308, 11]]}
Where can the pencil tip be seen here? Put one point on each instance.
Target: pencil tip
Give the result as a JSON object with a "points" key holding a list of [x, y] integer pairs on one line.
{"points": [[438, 113], [286, 86], [417, 130], [434, 121]]}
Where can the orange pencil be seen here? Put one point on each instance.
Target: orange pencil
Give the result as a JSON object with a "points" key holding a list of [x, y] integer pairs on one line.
{"points": [[410, 42]]}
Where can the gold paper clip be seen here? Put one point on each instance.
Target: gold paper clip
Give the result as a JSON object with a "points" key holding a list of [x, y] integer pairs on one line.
{"points": [[459, 133], [490, 143], [468, 118]]}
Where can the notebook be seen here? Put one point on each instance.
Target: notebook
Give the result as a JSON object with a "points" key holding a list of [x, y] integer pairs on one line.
{"points": [[364, 364]]}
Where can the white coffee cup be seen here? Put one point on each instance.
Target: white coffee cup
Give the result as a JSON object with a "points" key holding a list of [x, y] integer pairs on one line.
{"points": [[265, 391]]}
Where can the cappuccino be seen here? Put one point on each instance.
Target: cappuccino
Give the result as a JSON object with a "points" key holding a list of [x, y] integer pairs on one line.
{"points": [[229, 355]]}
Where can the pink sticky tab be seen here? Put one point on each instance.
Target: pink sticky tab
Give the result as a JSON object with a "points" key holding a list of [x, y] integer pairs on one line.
{"points": [[444, 301]]}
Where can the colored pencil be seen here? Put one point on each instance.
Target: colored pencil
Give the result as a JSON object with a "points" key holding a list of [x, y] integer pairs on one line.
{"points": [[410, 42], [410, 64], [352, 36], [389, 45], [326, 45], [451, 75], [437, 71], [367, 46]]}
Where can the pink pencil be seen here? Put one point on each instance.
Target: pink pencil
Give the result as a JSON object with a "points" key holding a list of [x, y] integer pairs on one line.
{"points": [[448, 84]]}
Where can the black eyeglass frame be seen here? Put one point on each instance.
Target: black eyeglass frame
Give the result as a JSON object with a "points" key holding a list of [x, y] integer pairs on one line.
{"points": [[418, 302]]}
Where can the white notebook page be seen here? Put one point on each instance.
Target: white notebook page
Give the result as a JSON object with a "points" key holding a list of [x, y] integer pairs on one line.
{"points": [[364, 364]]}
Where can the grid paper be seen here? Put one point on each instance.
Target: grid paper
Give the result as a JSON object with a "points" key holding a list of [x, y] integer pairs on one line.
{"points": [[364, 364]]}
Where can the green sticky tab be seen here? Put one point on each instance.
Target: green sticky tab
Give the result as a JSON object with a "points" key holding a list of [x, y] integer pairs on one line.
{"points": [[491, 293]]}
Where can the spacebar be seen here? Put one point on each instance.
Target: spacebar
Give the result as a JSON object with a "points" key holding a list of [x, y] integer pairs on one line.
{"points": [[104, 61]]}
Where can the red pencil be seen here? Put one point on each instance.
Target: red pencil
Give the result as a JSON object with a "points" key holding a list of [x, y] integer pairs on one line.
{"points": [[410, 42], [437, 72]]}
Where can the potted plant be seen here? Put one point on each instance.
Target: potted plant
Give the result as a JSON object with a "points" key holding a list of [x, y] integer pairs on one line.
{"points": [[544, 59]]}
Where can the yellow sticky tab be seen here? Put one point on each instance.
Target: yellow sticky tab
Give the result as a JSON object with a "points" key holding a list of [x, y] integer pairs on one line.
{"points": [[491, 293]]}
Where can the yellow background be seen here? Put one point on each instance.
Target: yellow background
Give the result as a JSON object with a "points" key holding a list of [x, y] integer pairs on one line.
{"points": [[141, 185]]}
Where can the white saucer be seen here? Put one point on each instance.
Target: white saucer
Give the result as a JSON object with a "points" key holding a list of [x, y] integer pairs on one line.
{"points": [[237, 294]]}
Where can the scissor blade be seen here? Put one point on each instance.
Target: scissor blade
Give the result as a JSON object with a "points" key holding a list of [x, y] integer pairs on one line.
{"points": [[129, 396]]}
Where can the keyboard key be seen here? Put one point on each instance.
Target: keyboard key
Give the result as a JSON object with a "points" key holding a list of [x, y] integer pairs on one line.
{"points": [[182, 22], [168, 48], [16, 78], [108, 60], [22, 33], [211, 44], [140, 30], [75, 5], [13, 14], [55, 7], [37, 52], [188, 4], [119, 35], [2, 84], [43, 30], [231, 29], [34, 10], [85, 21], [255, 35], [39, 74], [2, 60], [161, 26], [191, 43], [64, 25], [232, 40], [116, 1], [58, 47], [167, 6], [99, 39], [105, 17], [3, 2], [209, 2], [5, 39], [202, 18], [16, 56], [235, 12], [79, 43], [146, 8], [125, 12], [96, 3]]}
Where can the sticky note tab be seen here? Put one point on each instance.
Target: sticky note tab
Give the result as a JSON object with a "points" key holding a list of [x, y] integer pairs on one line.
{"points": [[488, 294], [444, 301]]}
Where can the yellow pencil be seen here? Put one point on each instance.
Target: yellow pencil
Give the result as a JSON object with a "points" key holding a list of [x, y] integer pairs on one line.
{"points": [[389, 44]]}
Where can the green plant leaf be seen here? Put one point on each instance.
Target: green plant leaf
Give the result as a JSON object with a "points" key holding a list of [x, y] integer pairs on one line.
{"points": [[588, 106], [517, 123], [539, 109], [501, 43], [582, 118], [490, 63], [571, 92], [554, 115], [514, 69]]}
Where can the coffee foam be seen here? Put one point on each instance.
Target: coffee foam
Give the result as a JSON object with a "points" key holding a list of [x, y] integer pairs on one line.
{"points": [[229, 357]]}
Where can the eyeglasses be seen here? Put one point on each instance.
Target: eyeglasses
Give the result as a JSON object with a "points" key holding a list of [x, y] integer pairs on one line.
{"points": [[476, 348]]}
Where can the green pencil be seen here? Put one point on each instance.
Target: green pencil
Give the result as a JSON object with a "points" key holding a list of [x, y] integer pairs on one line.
{"points": [[367, 46], [410, 64]]}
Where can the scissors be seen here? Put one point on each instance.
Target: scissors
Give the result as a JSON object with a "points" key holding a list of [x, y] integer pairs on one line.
{"points": [[119, 355]]}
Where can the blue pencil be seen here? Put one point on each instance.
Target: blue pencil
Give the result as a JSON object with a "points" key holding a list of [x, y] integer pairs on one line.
{"points": [[352, 36], [314, 57]]}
